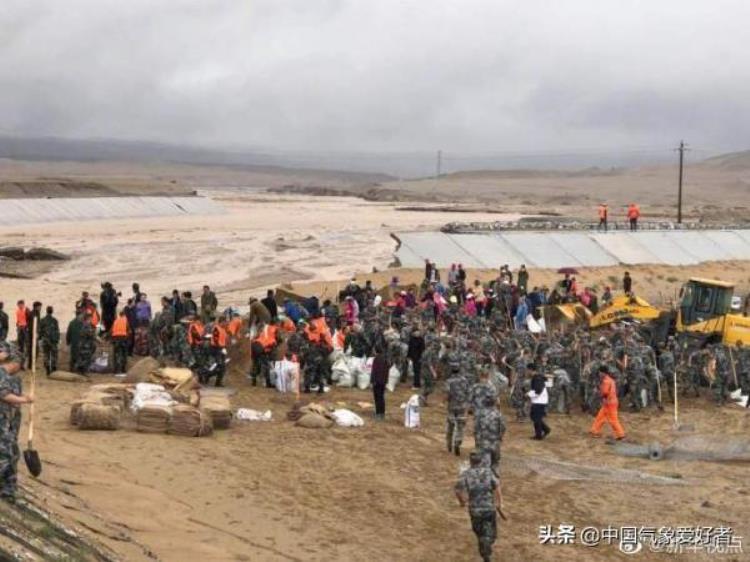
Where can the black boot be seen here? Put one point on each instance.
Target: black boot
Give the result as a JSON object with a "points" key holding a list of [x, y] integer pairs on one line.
{"points": [[457, 450]]}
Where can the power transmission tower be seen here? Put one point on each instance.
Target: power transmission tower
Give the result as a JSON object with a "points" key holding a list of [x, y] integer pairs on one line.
{"points": [[681, 149], [439, 164]]}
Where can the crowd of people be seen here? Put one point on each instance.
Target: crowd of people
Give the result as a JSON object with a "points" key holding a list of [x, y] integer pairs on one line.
{"points": [[472, 337]]}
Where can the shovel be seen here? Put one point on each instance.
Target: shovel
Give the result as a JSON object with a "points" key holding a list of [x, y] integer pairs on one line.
{"points": [[31, 456]]}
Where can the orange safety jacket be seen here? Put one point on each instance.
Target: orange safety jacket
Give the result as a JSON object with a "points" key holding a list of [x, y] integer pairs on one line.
{"points": [[288, 326], [235, 325], [218, 337], [602, 212], [21, 320], [195, 332], [634, 212], [608, 391], [120, 327], [323, 330], [267, 337]]}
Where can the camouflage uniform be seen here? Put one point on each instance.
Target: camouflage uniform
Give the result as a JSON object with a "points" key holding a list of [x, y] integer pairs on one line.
{"points": [[457, 388], [667, 368], [742, 357], [430, 359], [635, 377], [694, 372], [314, 358], [181, 349], [49, 334], [489, 428], [722, 375], [86, 348], [481, 393], [519, 389], [10, 424], [479, 484]]}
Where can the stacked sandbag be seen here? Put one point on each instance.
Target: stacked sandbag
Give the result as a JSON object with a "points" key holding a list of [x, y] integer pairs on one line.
{"points": [[188, 421], [92, 416], [141, 370], [153, 419], [101, 407], [219, 409], [175, 379]]}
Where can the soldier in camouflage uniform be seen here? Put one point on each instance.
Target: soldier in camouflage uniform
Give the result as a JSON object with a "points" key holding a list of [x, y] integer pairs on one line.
{"points": [[742, 359], [49, 334], [489, 428], [481, 392], [430, 366], [480, 488], [314, 358], [693, 372], [86, 346], [11, 397], [181, 350], [520, 387], [667, 367], [722, 373], [457, 388]]}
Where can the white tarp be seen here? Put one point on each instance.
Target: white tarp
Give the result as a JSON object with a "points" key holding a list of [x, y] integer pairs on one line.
{"points": [[573, 249], [39, 210]]}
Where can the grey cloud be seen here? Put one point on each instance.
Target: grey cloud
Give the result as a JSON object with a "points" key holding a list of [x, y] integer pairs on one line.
{"points": [[384, 75]]}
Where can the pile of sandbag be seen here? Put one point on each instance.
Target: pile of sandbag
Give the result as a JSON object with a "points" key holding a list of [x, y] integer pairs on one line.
{"points": [[175, 379], [314, 416], [218, 408], [101, 407], [141, 370], [189, 421], [153, 419]]}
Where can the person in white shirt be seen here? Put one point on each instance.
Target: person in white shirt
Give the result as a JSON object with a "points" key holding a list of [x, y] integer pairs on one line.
{"points": [[539, 399]]}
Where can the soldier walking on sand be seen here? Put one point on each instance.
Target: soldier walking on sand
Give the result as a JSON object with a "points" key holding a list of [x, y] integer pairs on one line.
{"points": [[457, 387], [49, 335], [480, 488]]}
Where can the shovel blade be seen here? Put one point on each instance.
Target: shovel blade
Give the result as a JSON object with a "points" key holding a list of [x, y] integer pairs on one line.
{"points": [[33, 462]]}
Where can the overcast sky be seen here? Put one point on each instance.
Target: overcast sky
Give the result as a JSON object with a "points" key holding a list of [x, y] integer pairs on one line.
{"points": [[380, 75]]}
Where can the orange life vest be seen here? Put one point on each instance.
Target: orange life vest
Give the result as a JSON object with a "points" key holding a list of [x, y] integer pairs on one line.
{"points": [[120, 327], [21, 320], [634, 212], [323, 330], [602, 212], [219, 337], [288, 326], [195, 332], [340, 338], [235, 324], [267, 337]]}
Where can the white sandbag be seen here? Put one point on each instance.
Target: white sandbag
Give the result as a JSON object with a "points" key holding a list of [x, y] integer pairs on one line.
{"points": [[394, 376], [341, 372], [247, 414], [412, 412], [285, 373], [363, 379], [533, 326], [347, 418], [147, 394], [335, 355]]}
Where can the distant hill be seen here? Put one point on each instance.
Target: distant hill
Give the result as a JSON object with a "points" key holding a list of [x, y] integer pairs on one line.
{"points": [[54, 149], [736, 161]]}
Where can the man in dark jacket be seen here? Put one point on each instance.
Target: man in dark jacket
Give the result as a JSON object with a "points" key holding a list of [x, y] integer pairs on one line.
{"points": [[415, 351], [108, 300], [35, 312], [379, 378], [73, 338], [270, 303]]}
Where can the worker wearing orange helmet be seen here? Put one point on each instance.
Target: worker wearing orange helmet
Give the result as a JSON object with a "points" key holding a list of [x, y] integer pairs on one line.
{"points": [[608, 411]]}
